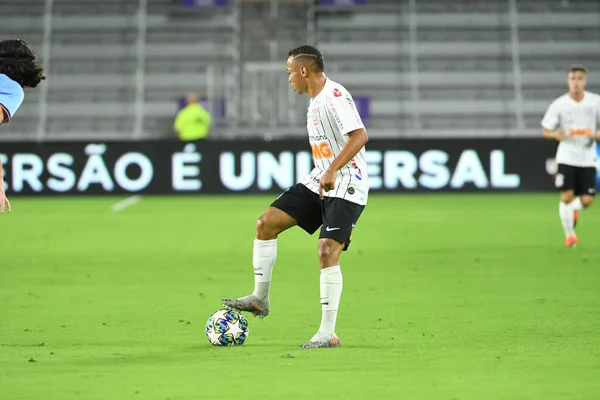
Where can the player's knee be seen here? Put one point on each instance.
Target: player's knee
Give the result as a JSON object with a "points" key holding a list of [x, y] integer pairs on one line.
{"points": [[325, 255], [567, 197], [329, 252], [265, 229]]}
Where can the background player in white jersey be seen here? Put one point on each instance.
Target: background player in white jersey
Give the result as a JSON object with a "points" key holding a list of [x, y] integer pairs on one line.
{"points": [[332, 197], [574, 120], [18, 69]]}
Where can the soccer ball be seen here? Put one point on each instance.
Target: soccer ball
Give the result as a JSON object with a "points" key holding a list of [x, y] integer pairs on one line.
{"points": [[227, 328]]}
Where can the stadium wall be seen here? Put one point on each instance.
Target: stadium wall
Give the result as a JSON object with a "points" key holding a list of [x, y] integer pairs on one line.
{"points": [[220, 167]]}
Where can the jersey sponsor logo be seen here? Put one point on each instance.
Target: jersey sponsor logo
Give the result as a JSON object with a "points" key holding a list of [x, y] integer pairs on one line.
{"points": [[321, 150], [580, 132], [317, 138], [357, 172], [315, 116], [337, 92], [335, 114], [354, 110]]}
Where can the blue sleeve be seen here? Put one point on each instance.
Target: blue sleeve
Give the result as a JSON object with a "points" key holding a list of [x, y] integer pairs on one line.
{"points": [[11, 97]]}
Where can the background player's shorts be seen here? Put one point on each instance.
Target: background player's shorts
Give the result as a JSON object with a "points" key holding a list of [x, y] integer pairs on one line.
{"points": [[582, 180], [336, 217]]}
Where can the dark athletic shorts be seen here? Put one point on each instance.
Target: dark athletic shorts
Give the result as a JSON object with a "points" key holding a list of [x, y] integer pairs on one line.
{"points": [[336, 217], [582, 180]]}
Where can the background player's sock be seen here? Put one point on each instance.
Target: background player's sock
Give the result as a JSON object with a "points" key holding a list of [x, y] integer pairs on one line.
{"points": [[576, 204], [566, 217], [263, 259], [331, 291]]}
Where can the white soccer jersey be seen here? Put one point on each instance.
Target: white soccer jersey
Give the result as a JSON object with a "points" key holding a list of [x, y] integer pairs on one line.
{"points": [[331, 116], [579, 122]]}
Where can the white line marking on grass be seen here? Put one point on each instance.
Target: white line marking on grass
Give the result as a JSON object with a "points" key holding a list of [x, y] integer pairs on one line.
{"points": [[128, 202]]}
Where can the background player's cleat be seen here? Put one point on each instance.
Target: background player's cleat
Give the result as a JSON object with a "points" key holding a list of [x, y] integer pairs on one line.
{"points": [[575, 218], [320, 342], [571, 241], [251, 304]]}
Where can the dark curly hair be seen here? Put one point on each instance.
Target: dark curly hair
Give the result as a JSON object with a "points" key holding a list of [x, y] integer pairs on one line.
{"points": [[17, 61]]}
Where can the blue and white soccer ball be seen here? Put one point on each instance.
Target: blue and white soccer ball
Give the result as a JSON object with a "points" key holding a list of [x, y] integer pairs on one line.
{"points": [[227, 328]]}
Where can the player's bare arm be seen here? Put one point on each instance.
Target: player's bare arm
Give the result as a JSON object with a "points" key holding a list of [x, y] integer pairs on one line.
{"points": [[557, 134], [597, 135], [4, 203], [356, 140]]}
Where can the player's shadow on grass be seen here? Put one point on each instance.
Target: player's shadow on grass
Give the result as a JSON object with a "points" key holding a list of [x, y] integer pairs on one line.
{"points": [[293, 346], [128, 358], [262, 344], [174, 355]]}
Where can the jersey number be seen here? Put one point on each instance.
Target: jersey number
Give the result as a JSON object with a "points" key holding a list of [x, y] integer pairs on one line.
{"points": [[321, 150]]}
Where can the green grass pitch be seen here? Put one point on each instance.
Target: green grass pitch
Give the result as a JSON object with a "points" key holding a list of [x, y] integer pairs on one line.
{"points": [[445, 297]]}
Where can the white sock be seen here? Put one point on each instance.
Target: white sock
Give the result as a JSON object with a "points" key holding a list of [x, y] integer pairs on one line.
{"points": [[331, 291], [566, 217], [576, 204], [263, 259]]}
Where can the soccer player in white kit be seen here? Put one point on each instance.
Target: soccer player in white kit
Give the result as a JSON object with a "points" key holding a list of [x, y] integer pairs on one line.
{"points": [[573, 119], [332, 196]]}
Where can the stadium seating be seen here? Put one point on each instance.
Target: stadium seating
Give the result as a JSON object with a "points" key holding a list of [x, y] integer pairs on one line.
{"points": [[94, 48], [554, 35], [427, 67]]}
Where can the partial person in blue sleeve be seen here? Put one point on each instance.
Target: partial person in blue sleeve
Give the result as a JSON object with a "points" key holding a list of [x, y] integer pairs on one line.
{"points": [[18, 69]]}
